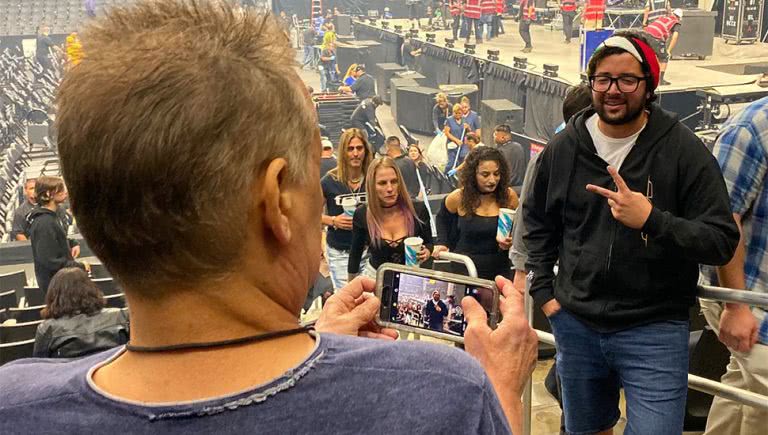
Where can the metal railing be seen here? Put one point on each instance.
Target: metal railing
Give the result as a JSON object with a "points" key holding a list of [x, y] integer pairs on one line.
{"points": [[694, 382]]}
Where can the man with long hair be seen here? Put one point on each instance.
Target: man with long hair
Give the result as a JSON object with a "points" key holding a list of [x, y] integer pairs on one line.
{"points": [[343, 190]]}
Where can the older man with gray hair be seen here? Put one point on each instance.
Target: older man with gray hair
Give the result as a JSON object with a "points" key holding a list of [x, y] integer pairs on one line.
{"points": [[210, 222]]}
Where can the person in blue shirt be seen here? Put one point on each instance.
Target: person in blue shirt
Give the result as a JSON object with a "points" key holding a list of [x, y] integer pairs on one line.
{"points": [[471, 118], [455, 130]]}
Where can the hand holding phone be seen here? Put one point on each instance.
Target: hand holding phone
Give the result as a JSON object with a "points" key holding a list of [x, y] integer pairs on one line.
{"points": [[508, 353], [428, 302], [351, 311]]}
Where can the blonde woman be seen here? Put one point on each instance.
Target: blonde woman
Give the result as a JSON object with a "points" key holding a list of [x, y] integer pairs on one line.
{"points": [[349, 77], [440, 112], [389, 217], [346, 180]]}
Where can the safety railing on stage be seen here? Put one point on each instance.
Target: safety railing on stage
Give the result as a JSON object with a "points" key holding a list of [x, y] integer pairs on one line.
{"points": [[694, 382]]}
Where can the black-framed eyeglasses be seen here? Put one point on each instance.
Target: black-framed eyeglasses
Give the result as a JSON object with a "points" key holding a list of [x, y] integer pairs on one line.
{"points": [[626, 84]]}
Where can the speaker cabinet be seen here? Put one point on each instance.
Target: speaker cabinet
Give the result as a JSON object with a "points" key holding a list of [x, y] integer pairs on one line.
{"points": [[343, 24], [495, 112], [414, 108], [455, 92], [395, 85], [413, 75], [384, 73]]}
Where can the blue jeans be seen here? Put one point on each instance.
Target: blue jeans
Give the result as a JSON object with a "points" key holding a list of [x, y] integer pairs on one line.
{"points": [[486, 25], [650, 362], [337, 265]]}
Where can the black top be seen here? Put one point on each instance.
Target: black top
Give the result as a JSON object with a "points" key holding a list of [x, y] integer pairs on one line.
{"points": [[21, 224], [474, 236], [337, 239], [50, 247], [408, 58], [365, 112], [309, 36], [611, 276], [364, 87], [516, 161], [80, 335], [388, 251], [435, 317]]}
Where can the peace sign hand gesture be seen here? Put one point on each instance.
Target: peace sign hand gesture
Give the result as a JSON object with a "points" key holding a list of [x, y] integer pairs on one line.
{"points": [[630, 208]]}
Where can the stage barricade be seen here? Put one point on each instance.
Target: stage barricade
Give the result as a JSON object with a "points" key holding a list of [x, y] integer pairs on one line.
{"points": [[540, 96]]}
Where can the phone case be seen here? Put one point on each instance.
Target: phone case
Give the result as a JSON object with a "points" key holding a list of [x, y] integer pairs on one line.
{"points": [[443, 276]]}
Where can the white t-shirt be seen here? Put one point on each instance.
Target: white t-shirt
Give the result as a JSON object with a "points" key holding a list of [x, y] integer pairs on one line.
{"points": [[610, 149]]}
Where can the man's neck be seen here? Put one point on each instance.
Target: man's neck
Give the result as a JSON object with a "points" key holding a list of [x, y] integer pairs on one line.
{"points": [[355, 172], [228, 309], [623, 130], [394, 152]]}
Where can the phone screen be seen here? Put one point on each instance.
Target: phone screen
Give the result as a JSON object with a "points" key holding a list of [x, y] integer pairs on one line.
{"points": [[429, 303]]}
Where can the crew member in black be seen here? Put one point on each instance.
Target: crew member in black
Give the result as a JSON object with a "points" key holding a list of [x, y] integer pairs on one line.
{"points": [[387, 220], [51, 250], [364, 86], [365, 113], [468, 218]]}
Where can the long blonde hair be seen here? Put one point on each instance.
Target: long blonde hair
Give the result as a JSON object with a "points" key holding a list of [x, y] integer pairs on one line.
{"points": [[350, 70], [341, 171], [373, 215]]}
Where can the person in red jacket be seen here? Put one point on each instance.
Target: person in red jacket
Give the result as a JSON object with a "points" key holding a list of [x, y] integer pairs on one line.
{"points": [[472, 13], [456, 7], [568, 12], [487, 12], [660, 31], [527, 15]]}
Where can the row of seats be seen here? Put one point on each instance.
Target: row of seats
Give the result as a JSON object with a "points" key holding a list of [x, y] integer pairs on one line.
{"points": [[22, 17], [22, 305]]}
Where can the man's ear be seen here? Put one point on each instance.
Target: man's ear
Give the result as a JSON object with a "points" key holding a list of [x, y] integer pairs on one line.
{"points": [[277, 200]]}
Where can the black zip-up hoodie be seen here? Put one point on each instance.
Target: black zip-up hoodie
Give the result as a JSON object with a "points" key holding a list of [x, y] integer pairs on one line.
{"points": [[608, 275], [50, 247]]}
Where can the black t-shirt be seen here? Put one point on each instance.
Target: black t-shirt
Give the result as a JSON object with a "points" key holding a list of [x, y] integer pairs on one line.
{"points": [[337, 239], [388, 251], [365, 112], [44, 43], [364, 87], [407, 56]]}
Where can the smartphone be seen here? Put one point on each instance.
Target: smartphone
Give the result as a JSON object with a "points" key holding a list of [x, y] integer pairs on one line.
{"points": [[428, 302]]}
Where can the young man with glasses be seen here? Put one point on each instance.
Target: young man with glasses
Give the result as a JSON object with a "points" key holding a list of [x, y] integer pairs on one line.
{"points": [[629, 202]]}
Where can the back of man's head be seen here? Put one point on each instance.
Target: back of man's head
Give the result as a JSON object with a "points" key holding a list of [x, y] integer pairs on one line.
{"points": [[185, 114], [376, 100], [393, 142], [577, 98]]}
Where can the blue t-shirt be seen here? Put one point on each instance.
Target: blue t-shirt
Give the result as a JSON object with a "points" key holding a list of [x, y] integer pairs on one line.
{"points": [[349, 81], [347, 385], [473, 119]]}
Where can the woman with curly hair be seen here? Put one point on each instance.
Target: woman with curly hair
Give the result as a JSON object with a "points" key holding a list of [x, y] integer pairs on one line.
{"points": [[466, 223]]}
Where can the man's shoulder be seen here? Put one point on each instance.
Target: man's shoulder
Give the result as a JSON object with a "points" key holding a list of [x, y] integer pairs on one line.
{"points": [[34, 380], [407, 358]]}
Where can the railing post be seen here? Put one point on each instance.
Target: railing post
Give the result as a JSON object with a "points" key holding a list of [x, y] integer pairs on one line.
{"points": [[528, 391]]}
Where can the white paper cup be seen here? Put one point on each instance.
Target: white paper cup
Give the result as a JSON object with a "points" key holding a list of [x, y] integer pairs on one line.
{"points": [[349, 204], [504, 225], [412, 248]]}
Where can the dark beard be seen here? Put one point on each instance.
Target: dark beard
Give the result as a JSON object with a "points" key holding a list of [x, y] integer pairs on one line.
{"points": [[626, 119]]}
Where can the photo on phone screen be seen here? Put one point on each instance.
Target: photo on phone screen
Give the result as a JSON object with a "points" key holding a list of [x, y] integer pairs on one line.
{"points": [[429, 303]]}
